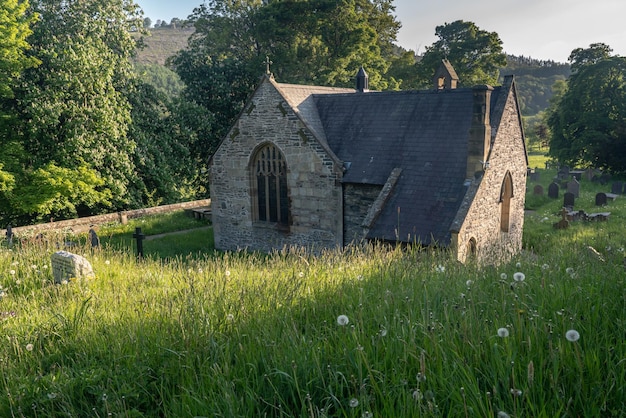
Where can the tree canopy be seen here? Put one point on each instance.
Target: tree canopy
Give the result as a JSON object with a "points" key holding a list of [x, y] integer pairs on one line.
{"points": [[588, 123], [475, 54]]}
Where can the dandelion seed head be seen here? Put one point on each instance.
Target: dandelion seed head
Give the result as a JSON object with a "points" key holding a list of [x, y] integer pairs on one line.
{"points": [[545, 267], [572, 335], [518, 264], [12, 272], [440, 268], [367, 414], [516, 392], [519, 276], [29, 347], [503, 276], [230, 317], [503, 332], [569, 270], [227, 273], [107, 262], [301, 274], [383, 332], [417, 395], [359, 277], [354, 402], [503, 414], [342, 320]]}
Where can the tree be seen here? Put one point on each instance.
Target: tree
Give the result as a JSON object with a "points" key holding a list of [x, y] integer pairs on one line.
{"points": [[147, 22], [588, 56], [14, 29], [320, 42], [74, 105], [476, 55], [589, 123]]}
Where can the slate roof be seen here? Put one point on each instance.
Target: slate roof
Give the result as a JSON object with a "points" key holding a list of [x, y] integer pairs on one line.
{"points": [[425, 133]]}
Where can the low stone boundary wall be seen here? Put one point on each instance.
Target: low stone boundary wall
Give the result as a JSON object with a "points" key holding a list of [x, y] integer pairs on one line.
{"points": [[79, 224]]}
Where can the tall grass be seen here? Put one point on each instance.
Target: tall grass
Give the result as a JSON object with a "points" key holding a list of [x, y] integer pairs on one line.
{"points": [[247, 335]]}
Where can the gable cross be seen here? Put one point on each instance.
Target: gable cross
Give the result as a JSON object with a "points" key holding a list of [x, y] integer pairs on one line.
{"points": [[267, 65]]}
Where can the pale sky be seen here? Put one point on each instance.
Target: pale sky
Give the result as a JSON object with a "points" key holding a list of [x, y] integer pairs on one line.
{"points": [[541, 29]]}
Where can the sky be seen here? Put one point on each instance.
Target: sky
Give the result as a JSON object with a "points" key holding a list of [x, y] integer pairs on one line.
{"points": [[541, 29]]}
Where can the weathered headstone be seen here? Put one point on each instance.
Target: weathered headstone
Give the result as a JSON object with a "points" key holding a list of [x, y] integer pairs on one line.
{"points": [[553, 191], [9, 235], [573, 186], [568, 200], [538, 190], [139, 237], [616, 187], [535, 176], [600, 199], [94, 240], [563, 173], [563, 223], [589, 173], [66, 265]]}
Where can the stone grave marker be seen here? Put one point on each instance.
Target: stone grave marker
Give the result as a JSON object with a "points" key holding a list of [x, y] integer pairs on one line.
{"points": [[535, 176], [563, 173], [9, 235], [66, 265], [600, 199], [538, 190], [94, 240], [573, 186], [568, 200], [616, 187], [563, 223], [553, 190]]}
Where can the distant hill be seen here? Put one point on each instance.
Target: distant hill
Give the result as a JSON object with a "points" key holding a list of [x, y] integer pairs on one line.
{"points": [[162, 44], [534, 80]]}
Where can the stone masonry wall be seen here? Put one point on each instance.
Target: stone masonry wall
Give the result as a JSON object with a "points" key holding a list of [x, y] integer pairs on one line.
{"points": [[357, 201], [313, 180], [507, 154]]}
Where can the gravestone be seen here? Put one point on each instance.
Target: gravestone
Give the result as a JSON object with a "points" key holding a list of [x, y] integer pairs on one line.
{"points": [[563, 223], [9, 235], [538, 190], [573, 187], [616, 187], [94, 240], [589, 173], [600, 199], [568, 200], [66, 265], [139, 236], [535, 176], [563, 173], [553, 191]]}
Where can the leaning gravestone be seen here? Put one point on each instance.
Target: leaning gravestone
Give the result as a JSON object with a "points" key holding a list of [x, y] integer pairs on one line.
{"points": [[573, 187], [66, 265], [600, 199], [616, 187], [568, 200], [538, 190], [553, 191]]}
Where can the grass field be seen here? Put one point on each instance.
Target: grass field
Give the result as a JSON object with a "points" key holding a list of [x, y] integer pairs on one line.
{"points": [[366, 332]]}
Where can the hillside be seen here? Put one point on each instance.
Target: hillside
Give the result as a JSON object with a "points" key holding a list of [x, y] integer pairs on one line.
{"points": [[161, 44]]}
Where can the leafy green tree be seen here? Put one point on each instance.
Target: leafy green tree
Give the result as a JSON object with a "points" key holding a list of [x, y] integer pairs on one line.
{"points": [[14, 29], [74, 104], [587, 56], [589, 122], [320, 42], [475, 54]]}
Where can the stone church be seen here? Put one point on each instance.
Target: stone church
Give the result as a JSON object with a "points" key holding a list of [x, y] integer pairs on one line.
{"points": [[321, 167]]}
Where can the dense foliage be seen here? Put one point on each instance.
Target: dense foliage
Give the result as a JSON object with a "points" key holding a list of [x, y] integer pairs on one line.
{"points": [[475, 54], [588, 124]]}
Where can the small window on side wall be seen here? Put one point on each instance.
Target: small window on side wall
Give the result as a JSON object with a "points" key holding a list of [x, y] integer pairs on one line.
{"points": [[269, 186], [471, 250], [506, 193]]}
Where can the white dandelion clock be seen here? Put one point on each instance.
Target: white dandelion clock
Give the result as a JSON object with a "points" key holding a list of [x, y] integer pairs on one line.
{"points": [[342, 320], [503, 332], [572, 335], [519, 276]]}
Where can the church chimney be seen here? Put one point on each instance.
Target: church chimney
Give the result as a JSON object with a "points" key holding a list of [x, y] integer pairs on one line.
{"points": [[362, 81], [480, 132]]}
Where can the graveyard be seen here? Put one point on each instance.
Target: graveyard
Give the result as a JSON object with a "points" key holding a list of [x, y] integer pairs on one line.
{"points": [[371, 331]]}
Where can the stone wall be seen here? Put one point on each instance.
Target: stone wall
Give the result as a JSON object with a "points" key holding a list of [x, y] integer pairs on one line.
{"points": [[313, 180], [507, 155], [358, 198], [80, 224]]}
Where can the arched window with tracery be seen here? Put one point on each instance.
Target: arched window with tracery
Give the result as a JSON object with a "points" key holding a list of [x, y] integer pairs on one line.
{"points": [[506, 193], [269, 186]]}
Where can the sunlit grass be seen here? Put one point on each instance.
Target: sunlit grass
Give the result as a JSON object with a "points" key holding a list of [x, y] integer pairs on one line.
{"points": [[247, 335]]}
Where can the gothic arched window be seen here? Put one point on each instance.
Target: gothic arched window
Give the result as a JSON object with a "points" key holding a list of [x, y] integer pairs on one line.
{"points": [[506, 193], [269, 186]]}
